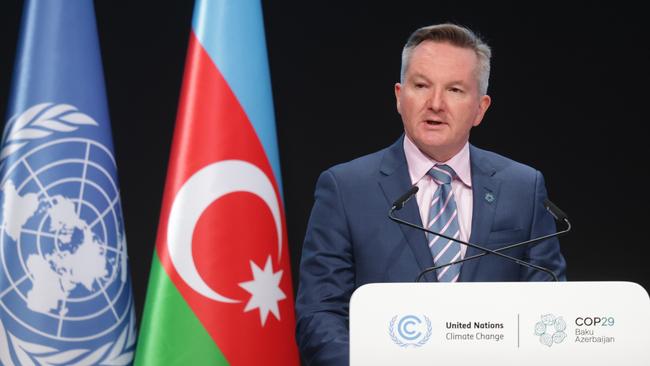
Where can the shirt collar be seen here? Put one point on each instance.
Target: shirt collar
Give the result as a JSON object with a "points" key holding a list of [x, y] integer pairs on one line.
{"points": [[419, 163]]}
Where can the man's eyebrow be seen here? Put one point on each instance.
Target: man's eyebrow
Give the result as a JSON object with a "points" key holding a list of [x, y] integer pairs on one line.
{"points": [[420, 76], [457, 82]]}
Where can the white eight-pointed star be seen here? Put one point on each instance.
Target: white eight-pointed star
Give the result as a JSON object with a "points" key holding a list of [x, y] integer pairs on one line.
{"points": [[265, 290]]}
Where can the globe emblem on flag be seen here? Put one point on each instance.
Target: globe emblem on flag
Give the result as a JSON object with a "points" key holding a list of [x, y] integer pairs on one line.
{"points": [[62, 245], [62, 222]]}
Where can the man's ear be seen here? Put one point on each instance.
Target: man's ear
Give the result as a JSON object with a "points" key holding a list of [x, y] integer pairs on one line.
{"points": [[483, 106], [398, 89]]}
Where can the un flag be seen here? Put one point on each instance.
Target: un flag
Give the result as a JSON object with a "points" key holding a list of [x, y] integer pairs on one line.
{"points": [[65, 289]]}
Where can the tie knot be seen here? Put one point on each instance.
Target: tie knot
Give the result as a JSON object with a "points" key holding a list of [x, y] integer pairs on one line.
{"points": [[442, 174]]}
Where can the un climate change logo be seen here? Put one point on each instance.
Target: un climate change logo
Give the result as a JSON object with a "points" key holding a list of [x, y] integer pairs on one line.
{"points": [[64, 274], [410, 330]]}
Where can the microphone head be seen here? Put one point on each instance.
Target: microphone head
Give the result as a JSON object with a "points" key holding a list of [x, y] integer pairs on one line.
{"points": [[399, 203], [554, 210]]}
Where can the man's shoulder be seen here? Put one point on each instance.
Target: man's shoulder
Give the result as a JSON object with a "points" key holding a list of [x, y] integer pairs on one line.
{"points": [[363, 167], [501, 165]]}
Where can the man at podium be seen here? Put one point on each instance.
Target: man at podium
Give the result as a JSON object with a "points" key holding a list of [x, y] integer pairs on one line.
{"points": [[465, 193]]}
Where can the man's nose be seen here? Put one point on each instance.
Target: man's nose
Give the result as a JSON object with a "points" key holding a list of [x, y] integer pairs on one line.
{"points": [[436, 100]]}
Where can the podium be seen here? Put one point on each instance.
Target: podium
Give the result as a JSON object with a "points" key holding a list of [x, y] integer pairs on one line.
{"points": [[500, 323]]}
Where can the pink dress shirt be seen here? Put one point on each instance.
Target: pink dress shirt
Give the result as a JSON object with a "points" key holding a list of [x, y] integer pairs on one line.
{"points": [[419, 164]]}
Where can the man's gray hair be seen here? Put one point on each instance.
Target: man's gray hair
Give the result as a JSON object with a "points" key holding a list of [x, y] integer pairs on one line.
{"points": [[457, 36]]}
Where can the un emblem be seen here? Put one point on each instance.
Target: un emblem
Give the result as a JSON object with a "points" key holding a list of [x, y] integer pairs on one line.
{"points": [[64, 282], [410, 330]]}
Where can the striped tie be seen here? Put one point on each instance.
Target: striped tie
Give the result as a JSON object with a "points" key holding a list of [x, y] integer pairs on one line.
{"points": [[443, 218]]}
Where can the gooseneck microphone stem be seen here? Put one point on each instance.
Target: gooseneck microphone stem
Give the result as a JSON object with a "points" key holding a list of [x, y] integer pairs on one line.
{"points": [[507, 247], [554, 210], [485, 250]]}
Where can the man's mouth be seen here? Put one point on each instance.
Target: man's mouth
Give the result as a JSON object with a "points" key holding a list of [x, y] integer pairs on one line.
{"points": [[433, 122]]}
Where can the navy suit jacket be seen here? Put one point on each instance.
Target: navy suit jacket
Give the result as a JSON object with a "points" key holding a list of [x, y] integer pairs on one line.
{"points": [[350, 240]]}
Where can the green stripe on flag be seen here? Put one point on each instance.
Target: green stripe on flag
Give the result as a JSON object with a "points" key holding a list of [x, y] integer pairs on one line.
{"points": [[170, 333]]}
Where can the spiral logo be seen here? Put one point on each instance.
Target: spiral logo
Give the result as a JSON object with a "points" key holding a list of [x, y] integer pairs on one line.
{"points": [[410, 330]]}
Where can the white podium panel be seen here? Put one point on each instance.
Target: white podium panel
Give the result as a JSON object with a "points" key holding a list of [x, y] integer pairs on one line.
{"points": [[505, 323]]}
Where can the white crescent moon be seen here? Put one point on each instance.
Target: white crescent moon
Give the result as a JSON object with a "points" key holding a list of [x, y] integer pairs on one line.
{"points": [[204, 187]]}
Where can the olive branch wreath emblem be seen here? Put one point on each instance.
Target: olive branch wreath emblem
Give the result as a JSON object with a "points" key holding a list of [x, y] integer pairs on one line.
{"points": [[40, 121], [420, 343]]}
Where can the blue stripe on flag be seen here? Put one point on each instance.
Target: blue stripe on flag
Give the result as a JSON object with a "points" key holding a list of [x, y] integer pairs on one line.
{"points": [[232, 32]]}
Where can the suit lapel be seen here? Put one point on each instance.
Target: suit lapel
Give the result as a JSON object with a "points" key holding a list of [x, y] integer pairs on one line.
{"points": [[394, 181], [485, 192]]}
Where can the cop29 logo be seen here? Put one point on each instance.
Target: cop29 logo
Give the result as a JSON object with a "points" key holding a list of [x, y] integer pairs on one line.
{"points": [[550, 329], [410, 330]]}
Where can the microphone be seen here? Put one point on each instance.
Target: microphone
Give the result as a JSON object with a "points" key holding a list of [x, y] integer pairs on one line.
{"points": [[555, 211], [401, 201]]}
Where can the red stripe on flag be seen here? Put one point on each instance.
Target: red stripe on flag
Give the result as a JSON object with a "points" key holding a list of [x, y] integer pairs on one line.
{"points": [[235, 229]]}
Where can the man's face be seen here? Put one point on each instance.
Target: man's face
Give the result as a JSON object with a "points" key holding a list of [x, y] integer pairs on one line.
{"points": [[440, 100]]}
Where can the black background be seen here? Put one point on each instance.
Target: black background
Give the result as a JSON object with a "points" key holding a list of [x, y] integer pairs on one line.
{"points": [[570, 92]]}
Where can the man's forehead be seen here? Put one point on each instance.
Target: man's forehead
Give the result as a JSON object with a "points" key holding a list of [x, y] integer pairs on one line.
{"points": [[441, 51]]}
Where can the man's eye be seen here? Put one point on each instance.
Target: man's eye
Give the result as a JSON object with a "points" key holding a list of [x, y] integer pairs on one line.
{"points": [[420, 85], [455, 90]]}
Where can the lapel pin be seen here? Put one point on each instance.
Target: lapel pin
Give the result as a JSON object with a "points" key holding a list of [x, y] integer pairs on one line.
{"points": [[489, 197]]}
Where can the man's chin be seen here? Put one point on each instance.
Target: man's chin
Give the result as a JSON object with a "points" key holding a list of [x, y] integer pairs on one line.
{"points": [[438, 150]]}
